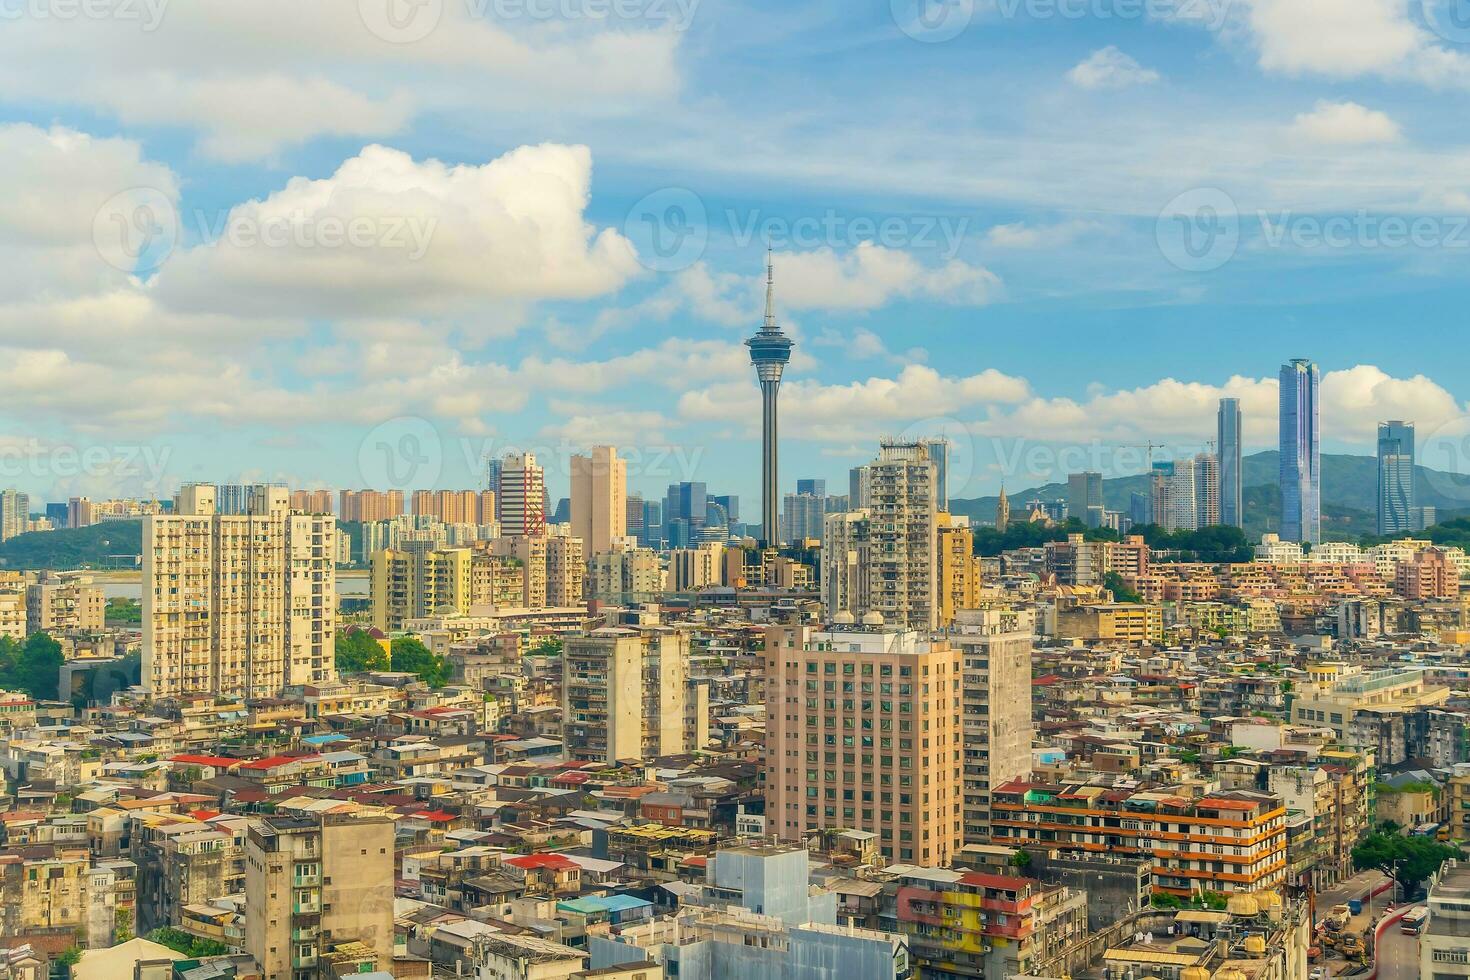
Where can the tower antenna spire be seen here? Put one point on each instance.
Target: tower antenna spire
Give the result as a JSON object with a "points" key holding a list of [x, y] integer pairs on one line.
{"points": [[770, 290]]}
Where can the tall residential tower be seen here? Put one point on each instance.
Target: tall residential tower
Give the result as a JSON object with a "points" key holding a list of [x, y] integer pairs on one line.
{"points": [[1301, 460], [1396, 478], [770, 350], [1227, 443]]}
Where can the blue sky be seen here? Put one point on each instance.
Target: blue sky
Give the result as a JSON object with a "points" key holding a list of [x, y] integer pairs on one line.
{"points": [[279, 241]]}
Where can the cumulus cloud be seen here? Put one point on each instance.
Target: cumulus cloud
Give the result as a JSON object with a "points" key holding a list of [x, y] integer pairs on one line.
{"points": [[1021, 235], [1345, 123], [1352, 38], [871, 276], [388, 234], [254, 78], [1109, 68]]}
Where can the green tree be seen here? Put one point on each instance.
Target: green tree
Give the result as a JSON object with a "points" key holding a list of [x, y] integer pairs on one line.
{"points": [[410, 656], [180, 941], [1410, 860], [32, 666], [1114, 583], [358, 651], [1021, 860]]}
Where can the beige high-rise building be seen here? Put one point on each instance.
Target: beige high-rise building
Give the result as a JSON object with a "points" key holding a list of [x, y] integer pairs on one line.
{"points": [[996, 696], [530, 551], [696, 568], [864, 732], [313, 884], [566, 570], [418, 580], [13, 610], [845, 563], [455, 506], [959, 568], [624, 693], [522, 496], [15, 513], [904, 536], [313, 501], [599, 499], [370, 505], [237, 605]]}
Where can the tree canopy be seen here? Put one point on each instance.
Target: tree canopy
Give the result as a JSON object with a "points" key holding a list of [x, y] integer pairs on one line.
{"points": [[1410, 860], [32, 665], [410, 656], [357, 652]]}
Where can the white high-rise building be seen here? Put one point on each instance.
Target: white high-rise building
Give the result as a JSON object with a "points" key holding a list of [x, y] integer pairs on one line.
{"points": [[903, 551], [522, 499], [1206, 490], [237, 605]]}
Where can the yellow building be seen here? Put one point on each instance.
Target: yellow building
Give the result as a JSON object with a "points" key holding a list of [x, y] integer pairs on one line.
{"points": [[419, 580], [959, 568], [1121, 622]]}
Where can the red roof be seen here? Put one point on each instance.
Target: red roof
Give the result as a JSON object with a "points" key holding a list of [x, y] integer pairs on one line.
{"points": [[436, 816], [533, 861], [1002, 882], [1227, 804]]}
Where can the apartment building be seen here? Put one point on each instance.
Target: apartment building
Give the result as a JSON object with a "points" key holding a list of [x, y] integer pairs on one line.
{"points": [[313, 884], [624, 693], [1224, 842], [313, 501], [696, 568], [599, 499], [13, 613], [958, 574], [1113, 622], [845, 562], [419, 580], [369, 505], [531, 552], [522, 499], [903, 533], [1078, 561], [1368, 710], [455, 506], [1444, 951], [237, 605], [1429, 574], [15, 513], [973, 924], [864, 732], [566, 570], [995, 645], [64, 602], [624, 576]]}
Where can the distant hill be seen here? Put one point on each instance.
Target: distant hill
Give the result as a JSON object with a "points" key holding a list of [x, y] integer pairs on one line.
{"points": [[1349, 494], [115, 544]]}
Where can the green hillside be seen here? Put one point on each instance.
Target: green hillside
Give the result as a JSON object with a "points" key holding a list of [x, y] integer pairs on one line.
{"points": [[115, 544]]}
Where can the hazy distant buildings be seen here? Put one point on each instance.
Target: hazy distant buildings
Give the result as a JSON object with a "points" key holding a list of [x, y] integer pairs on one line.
{"points": [[859, 481], [15, 513], [939, 455], [1228, 445], [369, 505], [1206, 490], [1085, 498], [1301, 462], [802, 517], [1396, 502]]}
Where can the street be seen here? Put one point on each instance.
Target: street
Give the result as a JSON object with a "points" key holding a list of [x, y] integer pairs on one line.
{"points": [[1398, 956]]}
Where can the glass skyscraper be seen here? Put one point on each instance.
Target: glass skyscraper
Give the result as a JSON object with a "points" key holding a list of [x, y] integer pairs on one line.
{"points": [[1301, 455], [1227, 442], [1396, 478]]}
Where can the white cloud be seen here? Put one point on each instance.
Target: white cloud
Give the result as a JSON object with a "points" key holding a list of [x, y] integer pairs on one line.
{"points": [[1345, 123], [1349, 39], [386, 234], [1109, 68], [871, 276], [1021, 235], [254, 78]]}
